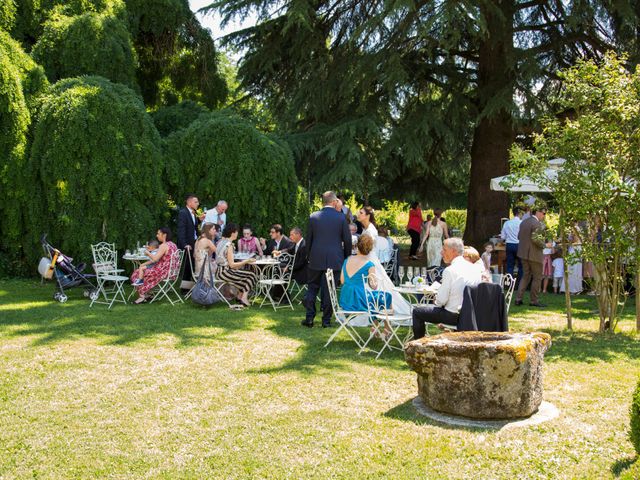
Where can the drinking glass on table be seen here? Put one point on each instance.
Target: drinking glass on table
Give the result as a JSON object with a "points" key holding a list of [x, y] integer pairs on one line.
{"points": [[423, 270], [400, 274], [409, 273]]}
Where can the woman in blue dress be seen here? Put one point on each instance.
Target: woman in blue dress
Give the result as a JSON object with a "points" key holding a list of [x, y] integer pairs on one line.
{"points": [[353, 296]]}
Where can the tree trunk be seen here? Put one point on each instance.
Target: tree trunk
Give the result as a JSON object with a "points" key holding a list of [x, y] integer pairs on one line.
{"points": [[565, 272], [494, 133]]}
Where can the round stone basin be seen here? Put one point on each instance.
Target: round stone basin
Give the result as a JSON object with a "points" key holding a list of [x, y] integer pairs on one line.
{"points": [[491, 375]]}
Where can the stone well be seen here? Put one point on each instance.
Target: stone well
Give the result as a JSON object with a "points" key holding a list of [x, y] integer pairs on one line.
{"points": [[493, 375]]}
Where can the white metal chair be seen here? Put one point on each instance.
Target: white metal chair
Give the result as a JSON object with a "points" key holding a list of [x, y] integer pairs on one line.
{"points": [[343, 318], [380, 310], [296, 290], [109, 281], [166, 288], [390, 266], [508, 284], [280, 277]]}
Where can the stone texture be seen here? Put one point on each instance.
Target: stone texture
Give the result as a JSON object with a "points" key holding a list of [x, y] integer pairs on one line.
{"points": [[491, 375]]}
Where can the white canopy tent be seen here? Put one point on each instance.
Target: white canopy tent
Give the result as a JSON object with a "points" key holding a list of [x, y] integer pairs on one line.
{"points": [[526, 185]]}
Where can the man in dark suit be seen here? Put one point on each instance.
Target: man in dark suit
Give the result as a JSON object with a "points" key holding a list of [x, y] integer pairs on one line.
{"points": [[530, 244], [278, 242], [188, 232], [300, 261], [328, 244]]}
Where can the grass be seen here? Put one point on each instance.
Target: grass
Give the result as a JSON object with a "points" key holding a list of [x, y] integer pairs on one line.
{"points": [[162, 392]]}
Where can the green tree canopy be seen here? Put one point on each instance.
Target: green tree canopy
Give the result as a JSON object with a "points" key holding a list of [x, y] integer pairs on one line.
{"points": [[413, 97], [177, 55], [21, 81], [175, 117], [87, 44], [95, 168], [222, 156], [7, 14]]}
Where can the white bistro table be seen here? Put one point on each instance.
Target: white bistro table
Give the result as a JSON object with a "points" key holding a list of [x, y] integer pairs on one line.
{"points": [[418, 294]]}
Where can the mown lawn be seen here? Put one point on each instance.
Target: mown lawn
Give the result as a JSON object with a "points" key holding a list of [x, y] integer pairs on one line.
{"points": [[162, 392]]}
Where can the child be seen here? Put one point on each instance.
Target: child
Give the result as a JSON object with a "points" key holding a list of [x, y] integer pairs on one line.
{"points": [[558, 270], [547, 267], [152, 248], [249, 243], [353, 228], [486, 256]]}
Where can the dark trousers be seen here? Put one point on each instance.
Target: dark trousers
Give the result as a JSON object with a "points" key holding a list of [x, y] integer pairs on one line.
{"points": [[512, 259], [532, 272], [187, 274], [431, 314], [415, 241], [316, 280]]}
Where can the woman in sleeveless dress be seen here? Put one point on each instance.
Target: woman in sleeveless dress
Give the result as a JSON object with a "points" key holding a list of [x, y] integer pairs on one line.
{"points": [[436, 233], [230, 271], [203, 251], [162, 257], [366, 217], [248, 243]]}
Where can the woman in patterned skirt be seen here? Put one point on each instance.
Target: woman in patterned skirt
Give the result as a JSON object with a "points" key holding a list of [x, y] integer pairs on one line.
{"points": [[162, 259], [230, 271]]}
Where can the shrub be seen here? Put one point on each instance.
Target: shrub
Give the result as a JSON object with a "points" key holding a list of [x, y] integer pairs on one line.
{"points": [[221, 156], [97, 168], [87, 44], [178, 116], [7, 14], [21, 80], [634, 433], [456, 219]]}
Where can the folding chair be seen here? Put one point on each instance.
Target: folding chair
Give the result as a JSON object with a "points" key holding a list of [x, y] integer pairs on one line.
{"points": [[105, 264], [343, 318], [166, 288], [297, 290], [280, 277], [379, 310], [390, 266]]}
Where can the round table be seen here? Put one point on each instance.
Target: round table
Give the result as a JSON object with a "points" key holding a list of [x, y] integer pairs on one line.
{"points": [[264, 268], [426, 293], [136, 259]]}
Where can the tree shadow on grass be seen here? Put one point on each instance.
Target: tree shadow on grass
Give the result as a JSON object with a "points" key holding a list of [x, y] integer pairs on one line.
{"points": [[624, 464], [589, 347]]}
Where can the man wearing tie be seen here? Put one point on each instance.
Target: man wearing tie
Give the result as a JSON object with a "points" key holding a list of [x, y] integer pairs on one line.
{"points": [[217, 215], [300, 261], [188, 233]]}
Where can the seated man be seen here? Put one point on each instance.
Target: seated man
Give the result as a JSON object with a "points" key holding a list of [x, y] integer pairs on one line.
{"points": [[455, 278], [279, 243]]}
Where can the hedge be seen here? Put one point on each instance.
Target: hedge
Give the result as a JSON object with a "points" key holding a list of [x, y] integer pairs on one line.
{"points": [[178, 116], [21, 81], [221, 156], [87, 44], [97, 168]]}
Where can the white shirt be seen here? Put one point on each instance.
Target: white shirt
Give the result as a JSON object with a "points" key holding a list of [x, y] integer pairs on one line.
{"points": [[510, 230], [455, 277], [213, 216], [558, 267], [382, 249], [298, 245]]}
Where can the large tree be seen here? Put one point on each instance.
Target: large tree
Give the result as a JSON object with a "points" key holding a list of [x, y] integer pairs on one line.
{"points": [[405, 94]]}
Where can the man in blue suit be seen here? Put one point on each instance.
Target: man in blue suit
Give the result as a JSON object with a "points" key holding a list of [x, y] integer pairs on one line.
{"points": [[328, 244]]}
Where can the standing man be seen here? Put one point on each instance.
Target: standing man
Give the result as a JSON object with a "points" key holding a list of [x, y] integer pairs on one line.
{"points": [[509, 234], [530, 244], [188, 233], [217, 215], [328, 244]]}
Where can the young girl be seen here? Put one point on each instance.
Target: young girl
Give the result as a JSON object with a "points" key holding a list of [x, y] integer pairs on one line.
{"points": [[248, 243], [558, 270], [486, 256], [547, 267]]}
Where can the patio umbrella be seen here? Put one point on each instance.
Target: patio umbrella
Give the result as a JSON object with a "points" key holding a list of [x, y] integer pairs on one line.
{"points": [[511, 184]]}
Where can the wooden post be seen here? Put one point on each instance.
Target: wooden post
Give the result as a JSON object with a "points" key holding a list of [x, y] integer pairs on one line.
{"points": [[567, 293]]}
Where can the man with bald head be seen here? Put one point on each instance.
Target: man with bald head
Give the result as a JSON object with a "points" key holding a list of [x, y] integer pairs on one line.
{"points": [[328, 244], [458, 275]]}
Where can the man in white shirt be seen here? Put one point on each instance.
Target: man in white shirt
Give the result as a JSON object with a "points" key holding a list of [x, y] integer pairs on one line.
{"points": [[509, 234], [217, 215], [458, 275]]}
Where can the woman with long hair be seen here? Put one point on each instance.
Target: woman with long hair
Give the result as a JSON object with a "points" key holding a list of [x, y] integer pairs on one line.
{"points": [[230, 271], [203, 251], [437, 231], [162, 259]]}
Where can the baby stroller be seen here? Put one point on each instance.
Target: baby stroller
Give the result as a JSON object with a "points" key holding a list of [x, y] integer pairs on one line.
{"points": [[57, 265]]}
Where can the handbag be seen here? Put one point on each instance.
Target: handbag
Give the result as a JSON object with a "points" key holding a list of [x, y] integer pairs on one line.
{"points": [[204, 293]]}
